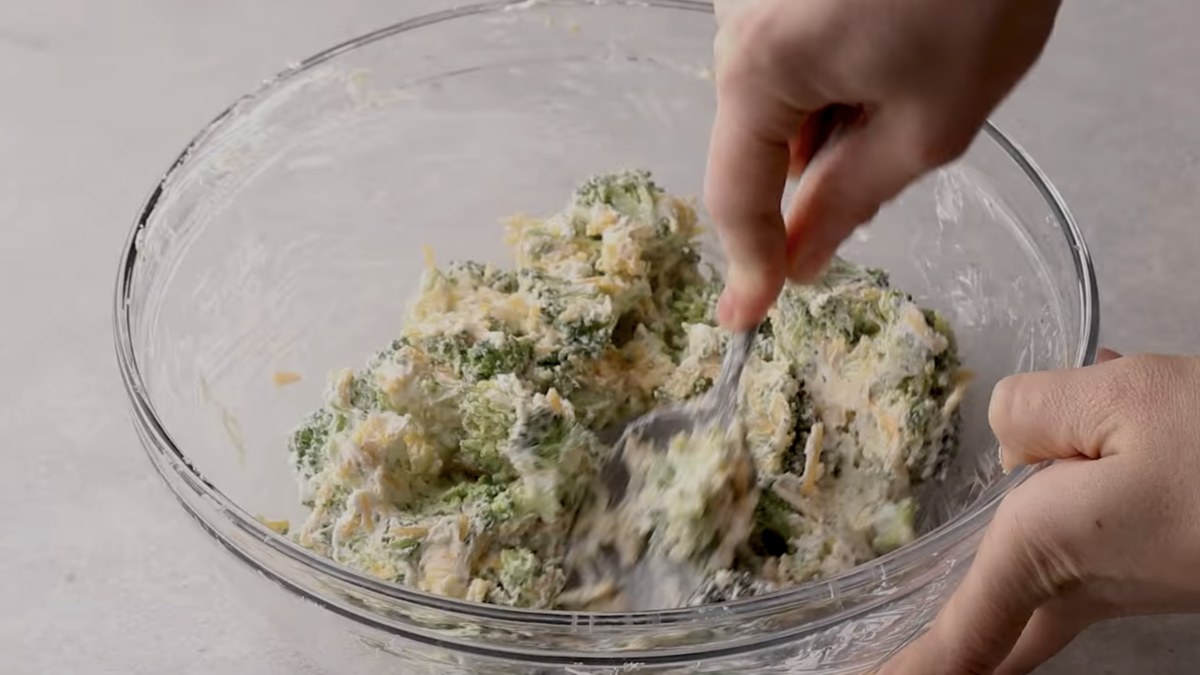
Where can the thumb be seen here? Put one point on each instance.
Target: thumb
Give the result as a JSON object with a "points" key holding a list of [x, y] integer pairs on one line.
{"points": [[1024, 561], [1061, 414], [861, 167]]}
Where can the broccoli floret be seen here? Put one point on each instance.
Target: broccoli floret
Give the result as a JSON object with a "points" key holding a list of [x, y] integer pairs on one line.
{"points": [[772, 531], [554, 455], [930, 388], [546, 433], [848, 301], [805, 414], [585, 332], [764, 346], [448, 350], [852, 312], [586, 337], [519, 572], [893, 526], [486, 503], [486, 360], [695, 304], [309, 439], [631, 193], [475, 361], [470, 273], [489, 413], [388, 352], [948, 360], [365, 396]]}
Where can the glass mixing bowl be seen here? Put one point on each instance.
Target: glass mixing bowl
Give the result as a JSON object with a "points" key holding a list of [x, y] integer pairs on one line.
{"points": [[288, 237]]}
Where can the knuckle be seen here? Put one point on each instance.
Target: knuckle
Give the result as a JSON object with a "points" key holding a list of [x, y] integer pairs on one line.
{"points": [[753, 43], [1011, 403]]}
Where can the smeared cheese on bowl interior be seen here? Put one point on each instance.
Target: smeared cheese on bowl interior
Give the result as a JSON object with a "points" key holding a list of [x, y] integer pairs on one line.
{"points": [[456, 461]]}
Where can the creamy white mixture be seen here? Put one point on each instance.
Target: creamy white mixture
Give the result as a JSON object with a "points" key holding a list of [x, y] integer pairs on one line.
{"points": [[456, 461]]}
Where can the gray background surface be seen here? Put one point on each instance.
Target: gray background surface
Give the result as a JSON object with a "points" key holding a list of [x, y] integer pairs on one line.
{"points": [[97, 98]]}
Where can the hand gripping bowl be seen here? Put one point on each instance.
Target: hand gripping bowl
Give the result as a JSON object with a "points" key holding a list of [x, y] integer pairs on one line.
{"points": [[288, 237]]}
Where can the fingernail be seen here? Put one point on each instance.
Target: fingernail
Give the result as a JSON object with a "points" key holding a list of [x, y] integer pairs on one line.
{"points": [[1004, 467]]}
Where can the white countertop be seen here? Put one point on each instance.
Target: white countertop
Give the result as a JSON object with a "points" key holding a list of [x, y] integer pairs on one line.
{"points": [[97, 98]]}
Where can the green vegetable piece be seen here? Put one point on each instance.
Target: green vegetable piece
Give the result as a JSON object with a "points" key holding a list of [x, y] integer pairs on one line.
{"points": [[631, 193], [308, 441], [470, 274], [772, 529], [482, 360], [520, 570], [489, 414], [893, 526]]}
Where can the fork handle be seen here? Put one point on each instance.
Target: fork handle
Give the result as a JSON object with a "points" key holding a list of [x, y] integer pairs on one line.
{"points": [[724, 391]]}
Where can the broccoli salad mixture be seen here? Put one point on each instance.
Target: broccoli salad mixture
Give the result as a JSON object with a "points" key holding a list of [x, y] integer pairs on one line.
{"points": [[458, 459]]}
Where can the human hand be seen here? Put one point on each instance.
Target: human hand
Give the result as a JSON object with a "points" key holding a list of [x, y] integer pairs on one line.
{"points": [[908, 84], [1111, 529]]}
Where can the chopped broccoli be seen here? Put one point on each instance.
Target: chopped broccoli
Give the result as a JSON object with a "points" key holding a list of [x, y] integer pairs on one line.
{"points": [[772, 529], [582, 314], [554, 455], [487, 433], [486, 360], [477, 360], [586, 337], [365, 396], [690, 304], [545, 432], [695, 304], [519, 571], [805, 414], [893, 526], [489, 413], [848, 301], [487, 503], [309, 439], [849, 315], [921, 414], [631, 193], [470, 273], [764, 346]]}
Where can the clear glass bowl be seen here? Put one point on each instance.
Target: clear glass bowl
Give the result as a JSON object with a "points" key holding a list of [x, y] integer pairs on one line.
{"points": [[288, 237]]}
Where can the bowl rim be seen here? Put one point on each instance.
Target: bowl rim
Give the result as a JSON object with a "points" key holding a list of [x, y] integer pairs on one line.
{"points": [[167, 456]]}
